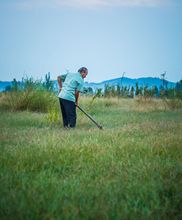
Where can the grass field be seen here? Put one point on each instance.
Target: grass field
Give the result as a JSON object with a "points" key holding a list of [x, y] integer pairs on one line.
{"points": [[132, 169]]}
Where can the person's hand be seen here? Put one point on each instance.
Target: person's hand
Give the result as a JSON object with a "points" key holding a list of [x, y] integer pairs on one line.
{"points": [[60, 89], [76, 103]]}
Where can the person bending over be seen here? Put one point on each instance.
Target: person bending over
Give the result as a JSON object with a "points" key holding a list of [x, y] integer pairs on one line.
{"points": [[69, 87]]}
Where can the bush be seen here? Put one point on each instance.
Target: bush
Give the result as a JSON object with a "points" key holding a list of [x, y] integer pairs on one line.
{"points": [[29, 94], [32, 100]]}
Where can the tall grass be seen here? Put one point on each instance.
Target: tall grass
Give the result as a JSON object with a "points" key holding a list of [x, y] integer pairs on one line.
{"points": [[31, 100], [30, 94]]}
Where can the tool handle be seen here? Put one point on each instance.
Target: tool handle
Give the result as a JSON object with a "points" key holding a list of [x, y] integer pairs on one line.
{"points": [[89, 116]]}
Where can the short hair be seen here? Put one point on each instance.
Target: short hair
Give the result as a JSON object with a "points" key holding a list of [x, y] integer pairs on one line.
{"points": [[83, 69]]}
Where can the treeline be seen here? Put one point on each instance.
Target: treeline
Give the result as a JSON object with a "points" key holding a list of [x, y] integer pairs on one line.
{"points": [[28, 83], [109, 90], [144, 91], [41, 95]]}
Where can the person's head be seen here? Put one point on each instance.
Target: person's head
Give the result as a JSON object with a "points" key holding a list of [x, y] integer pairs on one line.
{"points": [[83, 71]]}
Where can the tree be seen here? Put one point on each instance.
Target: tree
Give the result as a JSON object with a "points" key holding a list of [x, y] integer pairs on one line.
{"points": [[164, 81], [137, 89], [179, 85], [118, 90], [88, 91], [48, 83], [132, 92], [15, 85], [146, 91], [178, 89], [107, 90], [154, 91]]}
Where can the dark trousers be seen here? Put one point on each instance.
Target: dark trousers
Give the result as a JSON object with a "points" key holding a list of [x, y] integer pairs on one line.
{"points": [[68, 109]]}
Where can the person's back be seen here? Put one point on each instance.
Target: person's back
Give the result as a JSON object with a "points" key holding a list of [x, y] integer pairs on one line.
{"points": [[73, 81]]}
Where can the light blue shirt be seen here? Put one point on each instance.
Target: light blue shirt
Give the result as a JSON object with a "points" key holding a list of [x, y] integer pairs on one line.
{"points": [[73, 82]]}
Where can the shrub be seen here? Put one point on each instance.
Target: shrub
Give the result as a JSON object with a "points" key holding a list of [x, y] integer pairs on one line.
{"points": [[32, 100], [29, 94]]}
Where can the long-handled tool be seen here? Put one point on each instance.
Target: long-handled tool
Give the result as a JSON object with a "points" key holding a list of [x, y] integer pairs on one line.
{"points": [[89, 116]]}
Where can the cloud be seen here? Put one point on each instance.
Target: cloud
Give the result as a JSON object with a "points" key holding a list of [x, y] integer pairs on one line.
{"points": [[112, 3], [92, 3]]}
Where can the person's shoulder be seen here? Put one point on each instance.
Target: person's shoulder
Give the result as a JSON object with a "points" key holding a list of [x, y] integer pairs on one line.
{"points": [[71, 74], [76, 75], [80, 79]]}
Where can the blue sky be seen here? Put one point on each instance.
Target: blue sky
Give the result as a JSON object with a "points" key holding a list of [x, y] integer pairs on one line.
{"points": [[139, 37]]}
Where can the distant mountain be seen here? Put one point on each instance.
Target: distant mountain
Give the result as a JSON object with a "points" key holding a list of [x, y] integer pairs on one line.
{"points": [[144, 81], [3, 85]]}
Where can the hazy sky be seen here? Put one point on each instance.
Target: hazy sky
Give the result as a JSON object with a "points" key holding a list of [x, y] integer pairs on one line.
{"points": [[138, 37]]}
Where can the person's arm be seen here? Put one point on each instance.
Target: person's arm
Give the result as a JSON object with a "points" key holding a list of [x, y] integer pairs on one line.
{"points": [[78, 90], [59, 82], [76, 96]]}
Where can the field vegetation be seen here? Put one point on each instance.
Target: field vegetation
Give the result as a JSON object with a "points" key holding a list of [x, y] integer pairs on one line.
{"points": [[132, 169]]}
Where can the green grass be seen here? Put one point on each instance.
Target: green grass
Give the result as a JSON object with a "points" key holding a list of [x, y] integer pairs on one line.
{"points": [[130, 170]]}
